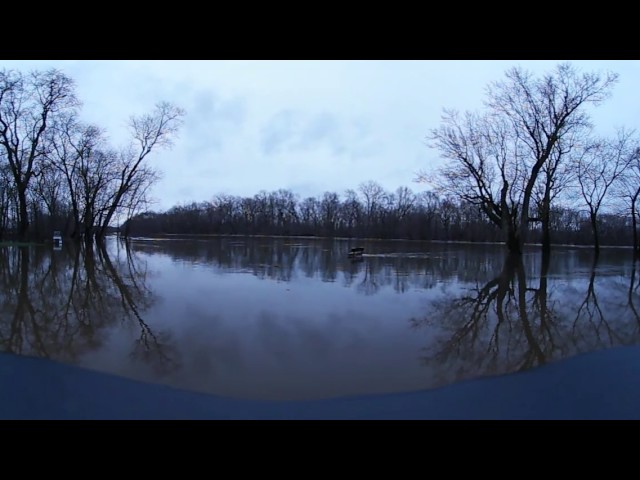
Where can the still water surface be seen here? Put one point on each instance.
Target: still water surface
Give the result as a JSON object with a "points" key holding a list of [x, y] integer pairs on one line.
{"points": [[280, 319]]}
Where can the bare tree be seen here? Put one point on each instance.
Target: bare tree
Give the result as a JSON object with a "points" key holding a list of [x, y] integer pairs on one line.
{"points": [[351, 210], [49, 191], [405, 201], [80, 153], [328, 209], [150, 131], [137, 198], [495, 159], [484, 169], [372, 194], [628, 189], [557, 175], [27, 105], [310, 214], [7, 199], [600, 165]]}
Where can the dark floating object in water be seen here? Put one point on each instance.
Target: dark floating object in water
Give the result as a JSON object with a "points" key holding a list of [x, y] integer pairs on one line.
{"points": [[356, 251]]}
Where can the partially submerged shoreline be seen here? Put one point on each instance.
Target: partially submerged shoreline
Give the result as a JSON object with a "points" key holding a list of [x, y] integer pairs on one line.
{"points": [[207, 236]]}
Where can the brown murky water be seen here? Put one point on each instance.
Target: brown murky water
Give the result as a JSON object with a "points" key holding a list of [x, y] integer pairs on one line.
{"points": [[297, 319]]}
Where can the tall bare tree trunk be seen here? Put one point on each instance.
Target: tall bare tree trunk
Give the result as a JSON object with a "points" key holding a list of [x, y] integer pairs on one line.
{"points": [[634, 226], [546, 221], [594, 229], [23, 219]]}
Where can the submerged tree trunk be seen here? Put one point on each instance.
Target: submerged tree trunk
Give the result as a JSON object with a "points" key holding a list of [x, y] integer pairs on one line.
{"points": [[546, 237], [542, 291], [513, 242], [635, 232], [594, 229], [510, 230], [546, 220], [23, 218], [88, 244], [634, 226]]}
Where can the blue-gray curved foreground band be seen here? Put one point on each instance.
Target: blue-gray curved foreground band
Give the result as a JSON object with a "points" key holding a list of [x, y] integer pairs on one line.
{"points": [[598, 385]]}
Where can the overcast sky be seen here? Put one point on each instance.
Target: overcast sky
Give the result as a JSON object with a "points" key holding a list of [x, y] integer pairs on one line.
{"points": [[308, 126]]}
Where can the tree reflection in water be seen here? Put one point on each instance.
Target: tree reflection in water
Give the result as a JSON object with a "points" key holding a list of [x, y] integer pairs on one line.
{"points": [[59, 305], [486, 314], [403, 266], [517, 321]]}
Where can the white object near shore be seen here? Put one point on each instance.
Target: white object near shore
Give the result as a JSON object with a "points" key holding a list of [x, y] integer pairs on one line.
{"points": [[57, 239]]}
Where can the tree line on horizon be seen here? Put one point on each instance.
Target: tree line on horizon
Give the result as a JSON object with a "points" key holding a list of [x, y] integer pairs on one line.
{"points": [[529, 167], [368, 212]]}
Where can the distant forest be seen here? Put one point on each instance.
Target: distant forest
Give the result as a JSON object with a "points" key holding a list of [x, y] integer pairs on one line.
{"points": [[369, 212], [528, 168]]}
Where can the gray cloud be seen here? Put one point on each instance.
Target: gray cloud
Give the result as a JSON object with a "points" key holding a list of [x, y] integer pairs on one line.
{"points": [[211, 120], [323, 128], [281, 129], [294, 131]]}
